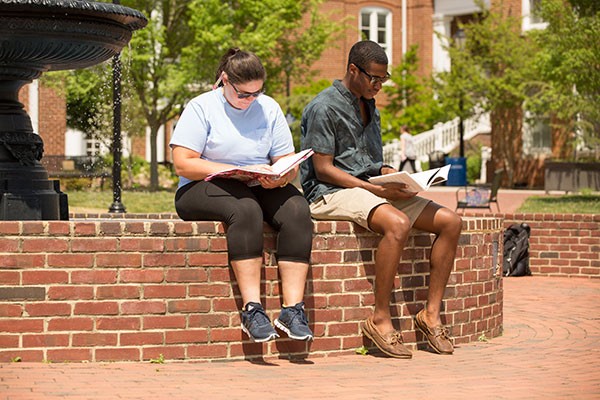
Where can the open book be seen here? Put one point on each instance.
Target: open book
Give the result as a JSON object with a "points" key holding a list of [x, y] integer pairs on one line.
{"points": [[250, 175], [417, 182]]}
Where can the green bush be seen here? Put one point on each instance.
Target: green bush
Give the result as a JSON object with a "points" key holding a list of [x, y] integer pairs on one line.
{"points": [[73, 184], [473, 167]]}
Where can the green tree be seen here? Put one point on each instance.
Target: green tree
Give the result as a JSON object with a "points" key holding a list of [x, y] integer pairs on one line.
{"points": [[288, 36], [154, 69], [568, 88], [176, 55], [493, 71], [411, 100]]}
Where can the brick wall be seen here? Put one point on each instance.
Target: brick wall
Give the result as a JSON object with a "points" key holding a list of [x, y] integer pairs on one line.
{"points": [[52, 117], [562, 244], [53, 120], [332, 64], [130, 290]]}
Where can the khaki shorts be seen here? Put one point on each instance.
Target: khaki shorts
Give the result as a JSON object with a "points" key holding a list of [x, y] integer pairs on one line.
{"points": [[356, 205]]}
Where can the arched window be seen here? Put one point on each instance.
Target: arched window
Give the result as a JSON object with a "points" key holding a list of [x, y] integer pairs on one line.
{"points": [[376, 25]]}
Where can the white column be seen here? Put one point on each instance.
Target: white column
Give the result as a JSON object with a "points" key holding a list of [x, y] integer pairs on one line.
{"points": [[441, 33], [34, 105], [486, 155], [160, 145]]}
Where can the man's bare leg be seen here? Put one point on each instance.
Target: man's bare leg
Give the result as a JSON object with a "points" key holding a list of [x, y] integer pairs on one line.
{"points": [[446, 225], [394, 226]]}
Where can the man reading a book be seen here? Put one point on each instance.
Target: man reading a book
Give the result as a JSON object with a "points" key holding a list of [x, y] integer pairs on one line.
{"points": [[342, 125]]}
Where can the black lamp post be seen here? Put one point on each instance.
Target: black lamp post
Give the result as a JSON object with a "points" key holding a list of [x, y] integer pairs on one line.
{"points": [[459, 39], [117, 206]]}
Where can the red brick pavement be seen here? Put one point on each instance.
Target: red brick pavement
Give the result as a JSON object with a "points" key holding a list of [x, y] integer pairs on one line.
{"points": [[508, 199], [550, 350]]}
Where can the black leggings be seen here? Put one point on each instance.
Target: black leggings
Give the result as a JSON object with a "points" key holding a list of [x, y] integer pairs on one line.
{"points": [[243, 209]]}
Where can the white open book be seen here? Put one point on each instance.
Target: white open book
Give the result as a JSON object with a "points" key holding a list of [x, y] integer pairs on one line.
{"points": [[417, 182], [249, 174]]}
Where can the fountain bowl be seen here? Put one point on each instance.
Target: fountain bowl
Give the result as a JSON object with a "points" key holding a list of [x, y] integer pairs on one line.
{"points": [[50, 35]]}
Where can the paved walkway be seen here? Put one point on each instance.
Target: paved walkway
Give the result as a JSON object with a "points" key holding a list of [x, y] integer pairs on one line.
{"points": [[550, 350], [508, 199]]}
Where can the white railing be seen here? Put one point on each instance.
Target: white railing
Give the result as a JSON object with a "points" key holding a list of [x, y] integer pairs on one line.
{"points": [[444, 137]]}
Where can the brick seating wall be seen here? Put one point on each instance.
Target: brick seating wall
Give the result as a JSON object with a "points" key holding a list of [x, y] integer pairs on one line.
{"points": [[134, 289], [566, 245]]}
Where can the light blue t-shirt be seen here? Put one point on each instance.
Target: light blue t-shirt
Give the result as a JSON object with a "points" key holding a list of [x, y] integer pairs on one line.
{"points": [[222, 133]]}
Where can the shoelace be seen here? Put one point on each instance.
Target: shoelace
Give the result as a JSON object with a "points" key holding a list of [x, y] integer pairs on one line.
{"points": [[257, 316], [298, 312], [442, 332], [396, 338]]}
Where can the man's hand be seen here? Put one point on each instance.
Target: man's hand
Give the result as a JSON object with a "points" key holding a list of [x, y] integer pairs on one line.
{"points": [[388, 170], [392, 191]]}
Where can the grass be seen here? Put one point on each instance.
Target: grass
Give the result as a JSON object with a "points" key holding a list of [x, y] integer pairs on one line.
{"points": [[162, 201], [566, 204], [134, 201]]}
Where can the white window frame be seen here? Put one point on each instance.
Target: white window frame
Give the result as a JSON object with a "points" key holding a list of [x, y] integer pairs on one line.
{"points": [[373, 27], [529, 20]]}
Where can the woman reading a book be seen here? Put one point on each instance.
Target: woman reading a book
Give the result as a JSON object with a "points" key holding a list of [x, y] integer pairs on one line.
{"points": [[236, 125]]}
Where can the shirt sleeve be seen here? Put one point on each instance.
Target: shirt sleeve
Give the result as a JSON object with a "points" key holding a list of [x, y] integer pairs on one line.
{"points": [[192, 128], [282, 136]]}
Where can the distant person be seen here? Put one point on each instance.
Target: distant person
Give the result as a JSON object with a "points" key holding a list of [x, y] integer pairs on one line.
{"points": [[342, 126], [407, 150], [237, 125]]}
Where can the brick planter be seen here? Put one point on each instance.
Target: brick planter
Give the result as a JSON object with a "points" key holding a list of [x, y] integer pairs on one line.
{"points": [[133, 289], [566, 245]]}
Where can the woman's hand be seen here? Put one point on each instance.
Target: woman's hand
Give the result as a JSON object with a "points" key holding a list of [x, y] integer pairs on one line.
{"points": [[272, 183]]}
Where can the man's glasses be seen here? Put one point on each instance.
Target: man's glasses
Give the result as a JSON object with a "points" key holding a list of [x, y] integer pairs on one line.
{"points": [[374, 79], [245, 95]]}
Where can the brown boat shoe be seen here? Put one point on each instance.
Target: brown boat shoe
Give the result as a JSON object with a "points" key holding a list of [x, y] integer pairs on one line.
{"points": [[390, 343], [437, 336]]}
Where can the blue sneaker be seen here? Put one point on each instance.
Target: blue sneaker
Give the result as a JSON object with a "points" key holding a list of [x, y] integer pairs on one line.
{"points": [[256, 324], [293, 321]]}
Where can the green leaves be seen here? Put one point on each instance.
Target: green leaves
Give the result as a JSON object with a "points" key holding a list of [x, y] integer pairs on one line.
{"points": [[411, 100]]}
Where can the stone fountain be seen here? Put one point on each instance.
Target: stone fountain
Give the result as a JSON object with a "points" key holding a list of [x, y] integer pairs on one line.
{"points": [[38, 36]]}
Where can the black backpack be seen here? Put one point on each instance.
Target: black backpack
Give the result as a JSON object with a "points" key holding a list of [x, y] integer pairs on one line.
{"points": [[516, 250]]}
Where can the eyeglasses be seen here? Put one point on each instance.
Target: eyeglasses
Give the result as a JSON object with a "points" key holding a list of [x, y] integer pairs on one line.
{"points": [[374, 79], [245, 95]]}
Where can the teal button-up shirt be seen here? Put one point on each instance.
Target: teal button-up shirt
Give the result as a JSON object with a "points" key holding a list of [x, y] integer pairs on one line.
{"points": [[332, 124]]}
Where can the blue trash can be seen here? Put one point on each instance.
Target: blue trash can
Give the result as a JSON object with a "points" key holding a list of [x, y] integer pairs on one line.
{"points": [[458, 171]]}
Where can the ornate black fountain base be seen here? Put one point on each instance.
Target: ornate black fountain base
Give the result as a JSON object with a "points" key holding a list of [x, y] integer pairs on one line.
{"points": [[32, 200], [26, 193], [38, 36]]}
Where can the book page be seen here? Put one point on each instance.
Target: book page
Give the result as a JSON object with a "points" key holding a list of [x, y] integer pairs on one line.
{"points": [[285, 164], [417, 182], [249, 173]]}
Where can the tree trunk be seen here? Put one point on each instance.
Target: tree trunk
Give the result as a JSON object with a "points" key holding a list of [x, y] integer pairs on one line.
{"points": [[562, 140], [507, 140]]}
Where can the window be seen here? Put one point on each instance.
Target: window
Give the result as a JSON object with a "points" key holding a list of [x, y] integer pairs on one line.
{"points": [[531, 17], [376, 25], [534, 11], [92, 147], [537, 134]]}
